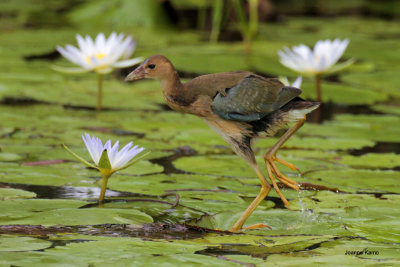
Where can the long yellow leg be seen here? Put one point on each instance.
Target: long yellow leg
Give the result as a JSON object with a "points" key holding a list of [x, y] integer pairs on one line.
{"points": [[265, 188], [273, 171]]}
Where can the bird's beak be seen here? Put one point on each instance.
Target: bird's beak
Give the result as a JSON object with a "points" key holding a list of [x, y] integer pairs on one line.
{"points": [[137, 74]]}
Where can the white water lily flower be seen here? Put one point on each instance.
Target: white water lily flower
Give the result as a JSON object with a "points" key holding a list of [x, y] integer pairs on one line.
{"points": [[117, 159], [319, 61], [101, 55], [296, 83], [107, 158]]}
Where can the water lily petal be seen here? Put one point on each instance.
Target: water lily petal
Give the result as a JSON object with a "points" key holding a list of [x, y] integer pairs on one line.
{"points": [[69, 55], [129, 50], [80, 58], [112, 153], [117, 53], [288, 61], [100, 55], [100, 43], [83, 45], [69, 70], [94, 147], [122, 153], [127, 63], [339, 50], [135, 160], [129, 155], [110, 43], [89, 44], [317, 61], [297, 82]]}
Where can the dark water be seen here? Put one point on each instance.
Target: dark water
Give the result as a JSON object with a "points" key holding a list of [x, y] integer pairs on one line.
{"points": [[145, 231], [379, 147]]}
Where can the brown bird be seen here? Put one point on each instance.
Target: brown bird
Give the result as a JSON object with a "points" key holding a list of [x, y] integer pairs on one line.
{"points": [[240, 106]]}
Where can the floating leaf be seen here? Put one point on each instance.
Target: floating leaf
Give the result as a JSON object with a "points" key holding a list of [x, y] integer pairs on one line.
{"points": [[10, 193], [15, 243]]}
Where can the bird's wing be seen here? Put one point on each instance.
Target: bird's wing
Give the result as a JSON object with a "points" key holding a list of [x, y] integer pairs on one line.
{"points": [[252, 98]]}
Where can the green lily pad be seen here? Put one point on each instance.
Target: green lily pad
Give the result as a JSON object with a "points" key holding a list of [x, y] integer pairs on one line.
{"points": [[385, 108], [334, 252], [373, 127], [382, 82], [71, 216], [15, 209], [14, 243], [10, 157], [213, 184], [372, 160], [351, 180], [339, 93], [10, 193], [331, 143]]}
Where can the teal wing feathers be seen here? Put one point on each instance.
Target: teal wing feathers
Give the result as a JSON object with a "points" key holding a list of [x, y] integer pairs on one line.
{"points": [[253, 98]]}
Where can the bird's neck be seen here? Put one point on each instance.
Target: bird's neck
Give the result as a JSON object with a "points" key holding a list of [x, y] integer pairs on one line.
{"points": [[172, 85], [178, 97]]}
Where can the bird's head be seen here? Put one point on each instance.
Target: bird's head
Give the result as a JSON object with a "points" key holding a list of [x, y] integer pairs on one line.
{"points": [[155, 67]]}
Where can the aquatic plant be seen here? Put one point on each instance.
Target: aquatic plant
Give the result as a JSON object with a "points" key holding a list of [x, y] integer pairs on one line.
{"points": [[107, 159], [317, 62], [100, 55], [296, 83]]}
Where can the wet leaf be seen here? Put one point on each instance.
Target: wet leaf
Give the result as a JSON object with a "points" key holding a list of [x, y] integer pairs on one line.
{"points": [[10, 193], [372, 160], [70, 216], [14, 243], [41, 109], [10, 157], [352, 180]]}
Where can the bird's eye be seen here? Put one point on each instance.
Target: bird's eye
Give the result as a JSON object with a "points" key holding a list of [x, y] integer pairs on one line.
{"points": [[151, 66]]}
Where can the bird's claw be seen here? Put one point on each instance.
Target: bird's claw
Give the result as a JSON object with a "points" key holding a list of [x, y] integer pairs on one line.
{"points": [[273, 172]]}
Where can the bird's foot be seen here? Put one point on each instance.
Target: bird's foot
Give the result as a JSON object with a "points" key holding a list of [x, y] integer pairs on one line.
{"points": [[287, 164], [251, 227], [273, 172], [257, 226]]}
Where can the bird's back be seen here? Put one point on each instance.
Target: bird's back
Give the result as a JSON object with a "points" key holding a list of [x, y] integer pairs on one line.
{"points": [[252, 98], [210, 84]]}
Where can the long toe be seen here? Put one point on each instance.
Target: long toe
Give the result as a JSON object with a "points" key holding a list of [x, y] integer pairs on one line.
{"points": [[271, 175], [288, 164], [257, 226], [282, 178]]}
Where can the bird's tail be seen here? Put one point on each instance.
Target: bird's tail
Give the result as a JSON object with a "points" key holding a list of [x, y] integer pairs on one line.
{"points": [[298, 109]]}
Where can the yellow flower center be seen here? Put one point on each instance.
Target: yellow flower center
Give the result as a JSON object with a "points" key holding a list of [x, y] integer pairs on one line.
{"points": [[99, 56]]}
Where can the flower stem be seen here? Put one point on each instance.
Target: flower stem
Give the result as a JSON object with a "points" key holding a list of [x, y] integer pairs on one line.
{"points": [[218, 12], [99, 91], [104, 181], [253, 19], [318, 87]]}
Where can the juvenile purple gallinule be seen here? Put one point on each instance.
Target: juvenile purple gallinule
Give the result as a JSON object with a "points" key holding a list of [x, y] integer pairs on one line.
{"points": [[240, 106]]}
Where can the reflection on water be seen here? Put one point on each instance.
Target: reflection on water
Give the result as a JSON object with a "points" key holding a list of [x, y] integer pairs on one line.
{"points": [[52, 192]]}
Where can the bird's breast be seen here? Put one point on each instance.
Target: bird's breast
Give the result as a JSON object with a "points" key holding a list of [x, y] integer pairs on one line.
{"points": [[200, 106]]}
